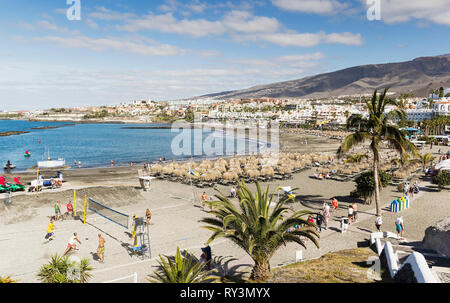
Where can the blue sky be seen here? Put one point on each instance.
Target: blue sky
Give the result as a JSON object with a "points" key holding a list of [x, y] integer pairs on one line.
{"points": [[163, 50]]}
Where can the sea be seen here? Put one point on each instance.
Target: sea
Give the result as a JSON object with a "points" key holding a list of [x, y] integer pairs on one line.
{"points": [[96, 144]]}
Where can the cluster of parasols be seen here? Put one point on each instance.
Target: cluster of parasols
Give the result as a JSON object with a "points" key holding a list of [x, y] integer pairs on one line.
{"points": [[262, 167], [337, 134]]}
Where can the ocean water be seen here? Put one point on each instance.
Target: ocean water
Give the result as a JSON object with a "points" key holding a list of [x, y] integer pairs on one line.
{"points": [[96, 144]]}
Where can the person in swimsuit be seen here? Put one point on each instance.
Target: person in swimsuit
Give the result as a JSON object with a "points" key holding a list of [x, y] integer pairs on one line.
{"points": [[148, 215], [72, 243], [101, 248]]}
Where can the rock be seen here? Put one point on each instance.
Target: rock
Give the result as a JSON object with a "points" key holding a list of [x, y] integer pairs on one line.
{"points": [[437, 237]]}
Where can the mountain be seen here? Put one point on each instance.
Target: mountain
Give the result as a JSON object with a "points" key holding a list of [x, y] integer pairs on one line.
{"points": [[418, 76]]}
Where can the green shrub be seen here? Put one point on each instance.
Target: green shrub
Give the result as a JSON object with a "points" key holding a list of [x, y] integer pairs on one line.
{"points": [[442, 179], [365, 185]]}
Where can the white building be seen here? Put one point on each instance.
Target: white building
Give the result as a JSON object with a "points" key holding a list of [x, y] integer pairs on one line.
{"points": [[418, 115]]}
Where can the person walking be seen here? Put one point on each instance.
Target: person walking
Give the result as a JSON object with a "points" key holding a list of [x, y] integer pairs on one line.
{"points": [[399, 227], [334, 204], [112, 163], [355, 211], [350, 214], [411, 191], [233, 192], [405, 189], [319, 220], [101, 248], [204, 199], [72, 243], [378, 223], [148, 215]]}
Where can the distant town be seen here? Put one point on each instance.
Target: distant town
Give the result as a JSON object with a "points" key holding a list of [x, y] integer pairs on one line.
{"points": [[288, 111]]}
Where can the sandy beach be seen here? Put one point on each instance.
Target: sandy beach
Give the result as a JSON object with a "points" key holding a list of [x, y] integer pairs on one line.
{"points": [[176, 215]]}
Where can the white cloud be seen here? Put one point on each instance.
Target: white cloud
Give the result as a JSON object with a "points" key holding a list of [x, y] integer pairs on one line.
{"points": [[92, 24], [395, 11], [241, 26], [321, 7], [103, 13], [169, 24], [308, 39], [137, 46]]}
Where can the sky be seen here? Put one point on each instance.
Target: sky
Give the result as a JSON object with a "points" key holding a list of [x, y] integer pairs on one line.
{"points": [[68, 53]]}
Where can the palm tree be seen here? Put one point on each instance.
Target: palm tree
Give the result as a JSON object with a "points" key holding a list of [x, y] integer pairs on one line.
{"points": [[61, 270], [376, 129], [181, 269], [259, 230], [426, 159]]}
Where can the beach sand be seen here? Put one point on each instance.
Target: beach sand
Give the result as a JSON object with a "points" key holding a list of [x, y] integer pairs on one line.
{"points": [[175, 218]]}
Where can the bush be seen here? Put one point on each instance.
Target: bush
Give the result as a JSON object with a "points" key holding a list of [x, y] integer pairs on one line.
{"points": [[365, 185], [442, 179]]}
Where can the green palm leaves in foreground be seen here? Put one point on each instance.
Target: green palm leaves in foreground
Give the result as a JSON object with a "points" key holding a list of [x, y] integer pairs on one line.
{"points": [[376, 129], [181, 269], [258, 228], [61, 269]]}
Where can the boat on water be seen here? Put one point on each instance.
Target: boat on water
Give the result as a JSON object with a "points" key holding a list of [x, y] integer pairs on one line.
{"points": [[9, 165], [50, 163]]}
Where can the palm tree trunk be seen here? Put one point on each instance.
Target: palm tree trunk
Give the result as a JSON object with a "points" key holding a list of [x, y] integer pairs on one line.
{"points": [[377, 189], [261, 271]]}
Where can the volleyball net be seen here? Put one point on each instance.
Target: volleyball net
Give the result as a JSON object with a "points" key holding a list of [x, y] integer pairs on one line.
{"points": [[108, 213]]}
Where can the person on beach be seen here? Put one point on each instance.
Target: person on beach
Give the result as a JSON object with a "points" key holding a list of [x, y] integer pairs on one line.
{"points": [[350, 214], [72, 243], [69, 207], [326, 214], [334, 204], [112, 163], [319, 220], [378, 222], [233, 192], [79, 164], [204, 199], [50, 234], [406, 189], [131, 164], [148, 215], [57, 210], [411, 191], [101, 248], [399, 227], [355, 211]]}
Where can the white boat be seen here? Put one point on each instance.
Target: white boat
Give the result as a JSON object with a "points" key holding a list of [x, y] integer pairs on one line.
{"points": [[49, 163]]}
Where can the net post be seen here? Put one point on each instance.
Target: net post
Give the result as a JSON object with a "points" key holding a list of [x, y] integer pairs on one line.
{"points": [[74, 202], [85, 204]]}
